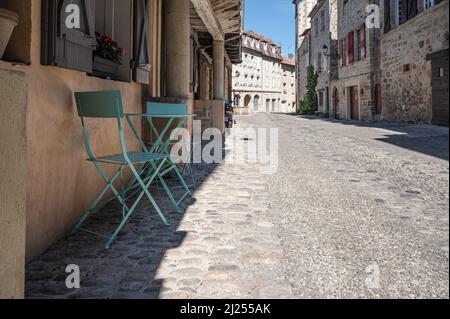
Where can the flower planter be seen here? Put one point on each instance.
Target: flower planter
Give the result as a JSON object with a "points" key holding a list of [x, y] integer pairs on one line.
{"points": [[105, 68], [8, 21]]}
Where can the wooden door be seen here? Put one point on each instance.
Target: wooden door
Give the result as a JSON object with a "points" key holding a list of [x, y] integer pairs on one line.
{"points": [[354, 103], [439, 63], [336, 102]]}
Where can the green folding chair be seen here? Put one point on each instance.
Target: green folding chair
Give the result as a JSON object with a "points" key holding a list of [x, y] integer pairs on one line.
{"points": [[108, 105], [171, 113]]}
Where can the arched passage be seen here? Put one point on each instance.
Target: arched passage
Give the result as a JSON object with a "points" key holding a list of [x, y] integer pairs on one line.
{"points": [[247, 100]]}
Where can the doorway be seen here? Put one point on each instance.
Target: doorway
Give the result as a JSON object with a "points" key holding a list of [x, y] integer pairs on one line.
{"points": [[439, 66], [336, 103], [354, 103]]}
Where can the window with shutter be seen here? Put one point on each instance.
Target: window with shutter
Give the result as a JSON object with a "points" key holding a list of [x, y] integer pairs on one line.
{"points": [[141, 60], [351, 47], [411, 9], [64, 47], [387, 16], [363, 40], [113, 18], [358, 45], [340, 52]]}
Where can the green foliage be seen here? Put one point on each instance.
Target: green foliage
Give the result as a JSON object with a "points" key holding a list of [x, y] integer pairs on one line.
{"points": [[305, 107], [311, 94]]}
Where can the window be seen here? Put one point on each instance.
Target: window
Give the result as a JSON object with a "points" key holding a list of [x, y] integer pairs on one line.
{"points": [[351, 47], [237, 100], [322, 19], [362, 40], [74, 48], [358, 46], [319, 62], [64, 47], [405, 10], [316, 26], [427, 4]]}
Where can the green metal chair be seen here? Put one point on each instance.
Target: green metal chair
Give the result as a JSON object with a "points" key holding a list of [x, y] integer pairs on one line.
{"points": [[171, 113], [108, 105], [155, 109]]}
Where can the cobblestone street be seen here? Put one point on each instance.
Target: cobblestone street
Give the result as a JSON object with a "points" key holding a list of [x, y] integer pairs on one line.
{"points": [[354, 211]]}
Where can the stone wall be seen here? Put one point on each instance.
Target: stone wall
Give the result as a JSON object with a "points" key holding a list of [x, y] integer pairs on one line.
{"points": [[302, 68], [327, 36], [352, 16], [13, 189], [406, 75]]}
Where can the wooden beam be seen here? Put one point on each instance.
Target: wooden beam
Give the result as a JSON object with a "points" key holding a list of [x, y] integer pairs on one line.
{"points": [[209, 18]]}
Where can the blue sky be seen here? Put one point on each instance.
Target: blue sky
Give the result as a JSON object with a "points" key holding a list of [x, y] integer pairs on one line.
{"points": [[274, 19]]}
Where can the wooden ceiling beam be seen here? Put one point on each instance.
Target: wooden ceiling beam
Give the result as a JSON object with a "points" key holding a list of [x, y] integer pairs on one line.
{"points": [[206, 13]]}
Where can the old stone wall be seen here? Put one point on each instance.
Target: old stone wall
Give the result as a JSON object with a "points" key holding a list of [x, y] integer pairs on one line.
{"points": [[352, 16], [406, 75], [327, 36]]}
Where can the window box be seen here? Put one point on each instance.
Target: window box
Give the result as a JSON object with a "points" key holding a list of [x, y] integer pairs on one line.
{"points": [[104, 68]]}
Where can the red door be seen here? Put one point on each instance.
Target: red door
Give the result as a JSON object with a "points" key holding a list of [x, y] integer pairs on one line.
{"points": [[354, 103]]}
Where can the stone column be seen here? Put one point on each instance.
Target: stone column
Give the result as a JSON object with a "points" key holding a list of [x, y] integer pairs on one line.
{"points": [[219, 69], [177, 36]]}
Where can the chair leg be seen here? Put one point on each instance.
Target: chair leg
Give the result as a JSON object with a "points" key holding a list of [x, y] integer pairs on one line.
{"points": [[138, 200], [109, 185]]}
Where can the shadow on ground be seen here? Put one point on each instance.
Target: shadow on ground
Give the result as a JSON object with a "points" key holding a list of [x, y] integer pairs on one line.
{"points": [[126, 271], [427, 139]]}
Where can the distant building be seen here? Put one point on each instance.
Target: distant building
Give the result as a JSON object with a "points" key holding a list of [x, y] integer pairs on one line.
{"points": [[302, 26], [324, 51], [265, 80]]}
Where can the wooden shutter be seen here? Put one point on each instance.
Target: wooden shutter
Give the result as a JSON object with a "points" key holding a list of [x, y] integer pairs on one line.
{"points": [[141, 59], [351, 47], [387, 16], [63, 47], [363, 40], [411, 9]]}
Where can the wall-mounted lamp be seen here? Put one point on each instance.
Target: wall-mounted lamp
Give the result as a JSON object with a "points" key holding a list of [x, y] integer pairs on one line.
{"points": [[326, 51]]}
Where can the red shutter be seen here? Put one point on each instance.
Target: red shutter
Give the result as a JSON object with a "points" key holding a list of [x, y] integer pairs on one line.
{"points": [[351, 47], [363, 40]]}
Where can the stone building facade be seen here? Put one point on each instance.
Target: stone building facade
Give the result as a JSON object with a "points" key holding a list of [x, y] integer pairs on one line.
{"points": [[407, 90], [288, 101], [258, 82], [324, 50], [397, 71], [180, 58], [303, 62], [354, 96], [302, 40]]}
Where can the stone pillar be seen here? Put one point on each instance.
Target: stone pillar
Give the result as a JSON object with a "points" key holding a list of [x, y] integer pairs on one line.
{"points": [[177, 38], [219, 69]]}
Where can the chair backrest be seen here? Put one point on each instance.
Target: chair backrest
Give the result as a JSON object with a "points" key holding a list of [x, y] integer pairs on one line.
{"points": [[166, 109], [104, 104]]}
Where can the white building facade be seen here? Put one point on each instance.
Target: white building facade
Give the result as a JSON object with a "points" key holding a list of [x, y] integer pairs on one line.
{"points": [[265, 80]]}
